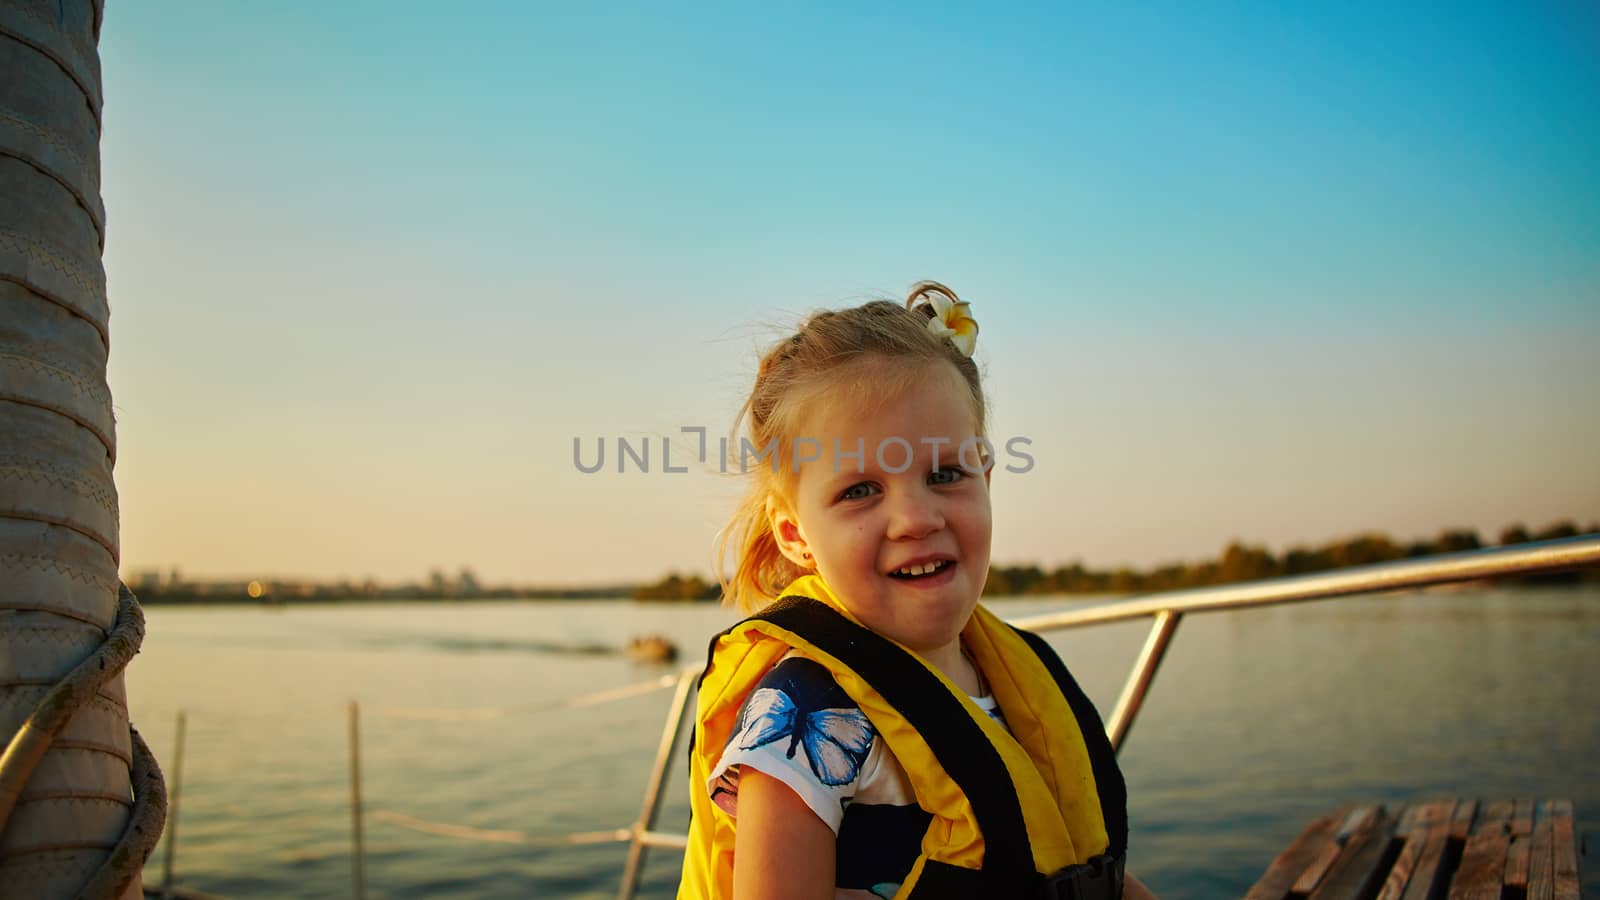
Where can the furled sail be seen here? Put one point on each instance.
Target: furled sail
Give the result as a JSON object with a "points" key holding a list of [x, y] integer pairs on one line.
{"points": [[70, 820]]}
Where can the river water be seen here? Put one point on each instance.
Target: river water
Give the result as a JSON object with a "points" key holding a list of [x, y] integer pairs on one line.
{"points": [[1258, 721]]}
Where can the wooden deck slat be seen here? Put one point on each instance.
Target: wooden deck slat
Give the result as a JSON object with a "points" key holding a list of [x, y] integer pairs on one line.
{"points": [[1436, 813], [1429, 876], [1564, 850], [1422, 815], [1514, 849], [1541, 861], [1483, 861], [1522, 819], [1357, 822], [1461, 822], [1317, 870], [1518, 857], [1274, 884], [1400, 873], [1359, 869], [1407, 816]]}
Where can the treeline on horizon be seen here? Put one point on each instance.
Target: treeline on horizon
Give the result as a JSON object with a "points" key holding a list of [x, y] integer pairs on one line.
{"points": [[1239, 562]]}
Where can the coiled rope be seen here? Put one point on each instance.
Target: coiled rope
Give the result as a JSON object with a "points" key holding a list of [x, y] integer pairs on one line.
{"points": [[51, 715]]}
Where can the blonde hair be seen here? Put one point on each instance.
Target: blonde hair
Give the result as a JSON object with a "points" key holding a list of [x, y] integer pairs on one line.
{"points": [[867, 353]]}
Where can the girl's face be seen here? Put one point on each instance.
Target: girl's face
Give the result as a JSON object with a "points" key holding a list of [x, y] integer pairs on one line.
{"points": [[864, 528]]}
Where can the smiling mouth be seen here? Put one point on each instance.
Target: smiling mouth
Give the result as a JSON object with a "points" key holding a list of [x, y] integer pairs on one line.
{"points": [[913, 573]]}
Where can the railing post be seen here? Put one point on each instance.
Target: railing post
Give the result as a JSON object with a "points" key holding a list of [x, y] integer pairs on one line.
{"points": [[1144, 672], [652, 791], [355, 801], [172, 812]]}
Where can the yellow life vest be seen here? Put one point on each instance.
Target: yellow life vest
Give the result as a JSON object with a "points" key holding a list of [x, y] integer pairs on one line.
{"points": [[1036, 812]]}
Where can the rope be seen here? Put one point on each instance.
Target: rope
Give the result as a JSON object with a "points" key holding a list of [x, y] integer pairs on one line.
{"points": [[486, 713], [139, 838], [467, 832], [51, 715]]}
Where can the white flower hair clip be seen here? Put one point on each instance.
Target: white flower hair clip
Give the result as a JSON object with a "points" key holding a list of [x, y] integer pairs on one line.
{"points": [[951, 317]]}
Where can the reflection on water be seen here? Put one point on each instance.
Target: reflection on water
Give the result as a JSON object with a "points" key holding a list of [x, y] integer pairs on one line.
{"points": [[1258, 721]]}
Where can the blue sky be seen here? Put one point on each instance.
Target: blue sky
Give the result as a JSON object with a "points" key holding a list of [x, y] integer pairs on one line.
{"points": [[1274, 272]]}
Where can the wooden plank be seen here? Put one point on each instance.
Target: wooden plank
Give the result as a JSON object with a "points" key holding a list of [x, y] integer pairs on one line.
{"points": [[1359, 869], [1422, 815], [1400, 873], [1437, 812], [1359, 820], [1517, 858], [1564, 850], [1427, 881], [1483, 860], [1541, 861], [1500, 812], [1407, 816], [1461, 821], [1274, 884], [1313, 875], [1522, 819], [1516, 849]]}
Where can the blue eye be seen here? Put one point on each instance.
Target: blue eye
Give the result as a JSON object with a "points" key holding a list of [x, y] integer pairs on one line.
{"points": [[946, 476], [858, 491]]}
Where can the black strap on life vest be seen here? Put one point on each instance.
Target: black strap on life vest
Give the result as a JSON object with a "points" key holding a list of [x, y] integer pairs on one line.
{"points": [[972, 761]]}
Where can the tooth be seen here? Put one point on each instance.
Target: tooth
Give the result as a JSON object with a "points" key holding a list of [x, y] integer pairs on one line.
{"points": [[922, 569]]}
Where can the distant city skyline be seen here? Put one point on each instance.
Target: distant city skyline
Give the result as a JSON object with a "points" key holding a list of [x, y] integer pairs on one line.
{"points": [[1279, 276]]}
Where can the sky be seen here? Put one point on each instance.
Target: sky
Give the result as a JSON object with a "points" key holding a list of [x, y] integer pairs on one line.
{"points": [[1278, 273]]}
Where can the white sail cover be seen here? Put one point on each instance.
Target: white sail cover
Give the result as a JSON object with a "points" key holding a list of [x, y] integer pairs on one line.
{"points": [[58, 505]]}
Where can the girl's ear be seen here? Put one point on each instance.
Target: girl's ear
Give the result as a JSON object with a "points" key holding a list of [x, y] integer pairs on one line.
{"points": [[786, 531]]}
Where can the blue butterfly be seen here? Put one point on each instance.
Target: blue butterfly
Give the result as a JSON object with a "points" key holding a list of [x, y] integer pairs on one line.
{"points": [[837, 738]]}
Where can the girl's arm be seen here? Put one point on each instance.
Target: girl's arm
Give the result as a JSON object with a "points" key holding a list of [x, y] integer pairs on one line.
{"points": [[781, 850], [1134, 889]]}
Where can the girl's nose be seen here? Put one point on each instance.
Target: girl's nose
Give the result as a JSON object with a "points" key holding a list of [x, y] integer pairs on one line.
{"points": [[913, 515]]}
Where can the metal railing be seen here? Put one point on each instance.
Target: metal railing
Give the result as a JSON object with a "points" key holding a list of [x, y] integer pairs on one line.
{"points": [[1168, 608]]}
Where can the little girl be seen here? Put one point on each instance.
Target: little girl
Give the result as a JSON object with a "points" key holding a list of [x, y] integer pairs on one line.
{"points": [[872, 731]]}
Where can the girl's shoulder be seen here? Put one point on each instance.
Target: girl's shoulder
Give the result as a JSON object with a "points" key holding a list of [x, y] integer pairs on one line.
{"points": [[798, 726], [799, 700], [801, 676]]}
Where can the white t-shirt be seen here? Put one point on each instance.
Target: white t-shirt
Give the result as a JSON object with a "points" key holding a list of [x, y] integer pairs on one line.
{"points": [[798, 726]]}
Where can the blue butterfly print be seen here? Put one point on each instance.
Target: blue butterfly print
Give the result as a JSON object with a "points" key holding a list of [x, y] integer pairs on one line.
{"points": [[819, 716]]}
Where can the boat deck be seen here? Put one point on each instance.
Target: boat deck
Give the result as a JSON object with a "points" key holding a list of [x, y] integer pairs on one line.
{"points": [[1446, 849]]}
